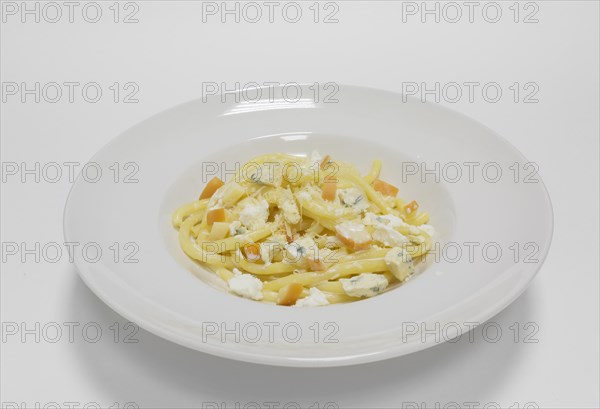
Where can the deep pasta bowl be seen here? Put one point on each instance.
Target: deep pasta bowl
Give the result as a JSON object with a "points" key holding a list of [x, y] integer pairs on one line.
{"points": [[491, 211]]}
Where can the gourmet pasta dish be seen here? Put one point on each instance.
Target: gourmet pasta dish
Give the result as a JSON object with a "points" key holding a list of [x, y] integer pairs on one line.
{"points": [[304, 231]]}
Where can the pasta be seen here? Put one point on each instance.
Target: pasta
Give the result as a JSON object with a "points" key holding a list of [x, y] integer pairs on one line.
{"points": [[304, 231]]}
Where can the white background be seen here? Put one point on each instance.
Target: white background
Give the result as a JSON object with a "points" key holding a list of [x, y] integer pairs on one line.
{"points": [[169, 53]]}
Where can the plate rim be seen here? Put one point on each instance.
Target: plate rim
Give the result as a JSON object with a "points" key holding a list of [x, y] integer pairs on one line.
{"points": [[395, 350]]}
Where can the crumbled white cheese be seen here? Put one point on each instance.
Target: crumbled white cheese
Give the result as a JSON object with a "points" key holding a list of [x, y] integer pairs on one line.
{"points": [[272, 247], [280, 239], [315, 298], [288, 206], [300, 249], [389, 220], [236, 228], [364, 285], [332, 242], [266, 174], [338, 212], [354, 198], [372, 219], [427, 228], [304, 195], [400, 263], [254, 213], [246, 285], [323, 254], [384, 229], [353, 235], [388, 236]]}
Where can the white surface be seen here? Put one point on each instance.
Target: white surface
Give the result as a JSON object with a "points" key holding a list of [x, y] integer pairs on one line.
{"points": [[169, 53], [162, 294]]}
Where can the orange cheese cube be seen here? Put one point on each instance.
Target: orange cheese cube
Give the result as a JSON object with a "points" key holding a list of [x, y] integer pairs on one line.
{"points": [[329, 188], [289, 294], [210, 188], [215, 215], [411, 208], [252, 252], [385, 188]]}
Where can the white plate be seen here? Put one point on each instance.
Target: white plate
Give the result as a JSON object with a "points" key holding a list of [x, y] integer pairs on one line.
{"points": [[169, 295]]}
